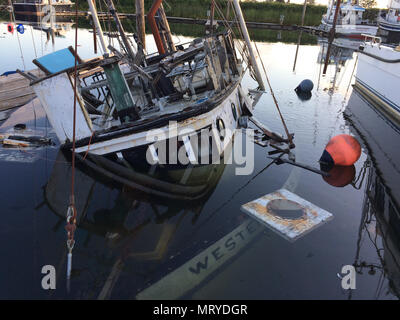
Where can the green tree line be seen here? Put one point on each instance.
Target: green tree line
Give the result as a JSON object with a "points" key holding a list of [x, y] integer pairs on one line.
{"points": [[253, 11]]}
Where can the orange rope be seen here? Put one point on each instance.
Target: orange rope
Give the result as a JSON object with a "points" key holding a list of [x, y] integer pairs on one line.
{"points": [[87, 151]]}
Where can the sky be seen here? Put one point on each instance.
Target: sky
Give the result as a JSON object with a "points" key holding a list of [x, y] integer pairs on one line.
{"points": [[380, 3]]}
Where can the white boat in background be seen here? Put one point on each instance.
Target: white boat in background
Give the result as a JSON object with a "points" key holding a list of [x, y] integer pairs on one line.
{"points": [[37, 7], [378, 75], [391, 20], [389, 23], [349, 22]]}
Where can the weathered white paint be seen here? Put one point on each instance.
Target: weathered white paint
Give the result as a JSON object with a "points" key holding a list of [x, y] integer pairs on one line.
{"points": [[223, 111], [57, 97]]}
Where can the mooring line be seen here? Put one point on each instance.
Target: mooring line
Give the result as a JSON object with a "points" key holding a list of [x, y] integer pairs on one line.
{"points": [[289, 136], [71, 212]]}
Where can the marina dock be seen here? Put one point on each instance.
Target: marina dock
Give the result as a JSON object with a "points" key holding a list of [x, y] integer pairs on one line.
{"points": [[198, 21], [15, 90]]}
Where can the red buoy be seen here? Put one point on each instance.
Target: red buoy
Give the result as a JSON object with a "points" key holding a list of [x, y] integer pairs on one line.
{"points": [[340, 176], [342, 150]]}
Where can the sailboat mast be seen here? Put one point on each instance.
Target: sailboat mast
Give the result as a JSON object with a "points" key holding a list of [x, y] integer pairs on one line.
{"points": [[121, 30], [97, 25], [246, 36]]}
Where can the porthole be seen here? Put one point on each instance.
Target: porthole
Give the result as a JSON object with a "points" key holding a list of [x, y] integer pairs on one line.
{"points": [[221, 128], [234, 113]]}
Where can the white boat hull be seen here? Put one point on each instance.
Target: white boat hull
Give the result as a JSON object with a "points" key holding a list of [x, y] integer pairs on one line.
{"points": [[223, 111], [388, 26], [379, 79], [350, 30]]}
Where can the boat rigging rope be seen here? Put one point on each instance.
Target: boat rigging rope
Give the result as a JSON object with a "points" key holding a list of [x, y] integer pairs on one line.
{"points": [[289, 136], [41, 33], [71, 212], [19, 42], [33, 41], [241, 46]]}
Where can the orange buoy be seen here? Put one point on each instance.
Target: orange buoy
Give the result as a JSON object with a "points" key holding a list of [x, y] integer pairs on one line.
{"points": [[342, 150], [340, 176]]}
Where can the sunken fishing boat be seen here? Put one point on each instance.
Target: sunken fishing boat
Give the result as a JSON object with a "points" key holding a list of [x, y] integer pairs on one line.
{"points": [[127, 99]]}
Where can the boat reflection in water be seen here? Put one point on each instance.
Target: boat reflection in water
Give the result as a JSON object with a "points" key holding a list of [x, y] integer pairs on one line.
{"points": [[341, 60], [135, 190], [58, 26], [380, 222], [148, 221]]}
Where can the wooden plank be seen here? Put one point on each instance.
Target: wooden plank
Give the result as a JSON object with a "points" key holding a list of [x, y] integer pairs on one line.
{"points": [[4, 105], [13, 94], [15, 90]]}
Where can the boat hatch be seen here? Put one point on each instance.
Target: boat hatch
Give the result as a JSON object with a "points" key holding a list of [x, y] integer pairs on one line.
{"points": [[287, 214]]}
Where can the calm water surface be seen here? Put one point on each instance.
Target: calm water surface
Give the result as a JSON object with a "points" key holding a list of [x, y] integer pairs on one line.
{"points": [[192, 241]]}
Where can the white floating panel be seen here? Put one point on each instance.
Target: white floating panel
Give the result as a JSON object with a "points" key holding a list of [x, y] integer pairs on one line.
{"points": [[287, 214]]}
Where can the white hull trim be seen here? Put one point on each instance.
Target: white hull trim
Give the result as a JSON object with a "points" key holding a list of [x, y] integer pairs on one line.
{"points": [[222, 111], [349, 29], [379, 80], [394, 27]]}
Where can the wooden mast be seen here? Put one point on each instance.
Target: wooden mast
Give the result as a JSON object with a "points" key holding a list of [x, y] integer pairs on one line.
{"points": [[140, 22], [331, 37], [301, 33], [167, 30]]}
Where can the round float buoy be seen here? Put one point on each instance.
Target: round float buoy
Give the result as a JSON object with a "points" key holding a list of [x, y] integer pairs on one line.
{"points": [[340, 176], [21, 29], [342, 150], [304, 96], [305, 86], [10, 28]]}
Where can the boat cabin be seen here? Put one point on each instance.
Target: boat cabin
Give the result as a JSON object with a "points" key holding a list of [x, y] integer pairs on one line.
{"points": [[116, 96]]}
